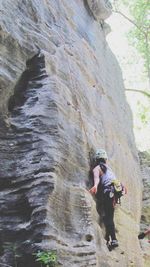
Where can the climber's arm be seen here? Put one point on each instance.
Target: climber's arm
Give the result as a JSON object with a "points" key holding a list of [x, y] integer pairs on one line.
{"points": [[147, 232], [96, 174]]}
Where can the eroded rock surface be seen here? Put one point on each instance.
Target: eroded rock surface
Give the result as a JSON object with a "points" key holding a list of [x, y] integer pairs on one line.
{"points": [[101, 9], [145, 216], [61, 97]]}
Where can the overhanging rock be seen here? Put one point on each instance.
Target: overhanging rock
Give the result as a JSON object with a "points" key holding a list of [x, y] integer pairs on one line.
{"points": [[101, 9]]}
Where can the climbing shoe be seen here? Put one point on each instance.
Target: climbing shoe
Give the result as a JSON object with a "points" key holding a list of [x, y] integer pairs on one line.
{"points": [[114, 243], [108, 244], [141, 236]]}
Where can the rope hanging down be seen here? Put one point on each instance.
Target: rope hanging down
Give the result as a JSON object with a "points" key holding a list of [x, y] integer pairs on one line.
{"points": [[74, 87]]}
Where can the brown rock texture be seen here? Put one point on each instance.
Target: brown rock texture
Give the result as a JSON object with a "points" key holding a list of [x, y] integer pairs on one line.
{"points": [[61, 97]]}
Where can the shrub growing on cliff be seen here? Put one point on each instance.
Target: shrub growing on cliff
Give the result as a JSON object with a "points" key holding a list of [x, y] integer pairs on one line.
{"points": [[47, 258]]}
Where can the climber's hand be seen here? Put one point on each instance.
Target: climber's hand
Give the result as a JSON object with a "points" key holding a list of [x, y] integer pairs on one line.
{"points": [[141, 236], [93, 190]]}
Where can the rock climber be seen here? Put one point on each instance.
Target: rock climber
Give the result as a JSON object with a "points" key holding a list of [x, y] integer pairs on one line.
{"points": [[144, 234], [104, 175]]}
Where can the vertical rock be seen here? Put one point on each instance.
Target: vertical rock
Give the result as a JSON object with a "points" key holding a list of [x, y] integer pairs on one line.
{"points": [[145, 214]]}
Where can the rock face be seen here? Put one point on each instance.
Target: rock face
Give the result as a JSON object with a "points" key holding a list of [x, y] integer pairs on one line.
{"points": [[145, 216], [61, 97], [101, 9]]}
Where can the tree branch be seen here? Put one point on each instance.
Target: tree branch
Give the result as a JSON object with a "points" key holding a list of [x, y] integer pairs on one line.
{"points": [[138, 91], [130, 20]]}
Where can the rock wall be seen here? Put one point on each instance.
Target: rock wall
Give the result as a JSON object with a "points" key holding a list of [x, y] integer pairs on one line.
{"points": [[145, 215], [61, 97]]}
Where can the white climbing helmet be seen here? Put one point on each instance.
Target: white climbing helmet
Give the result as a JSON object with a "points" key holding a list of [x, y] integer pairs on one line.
{"points": [[101, 154]]}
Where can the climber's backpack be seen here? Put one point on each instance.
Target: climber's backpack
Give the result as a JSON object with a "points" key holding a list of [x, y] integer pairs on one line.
{"points": [[118, 190]]}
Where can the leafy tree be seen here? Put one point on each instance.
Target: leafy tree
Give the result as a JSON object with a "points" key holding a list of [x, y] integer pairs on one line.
{"points": [[143, 113], [139, 35], [137, 12]]}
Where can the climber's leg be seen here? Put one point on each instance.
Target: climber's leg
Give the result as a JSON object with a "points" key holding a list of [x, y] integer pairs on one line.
{"points": [[109, 219]]}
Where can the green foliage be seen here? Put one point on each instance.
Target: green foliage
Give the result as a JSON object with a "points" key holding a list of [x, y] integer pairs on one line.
{"points": [[47, 258], [139, 35], [143, 113], [137, 12]]}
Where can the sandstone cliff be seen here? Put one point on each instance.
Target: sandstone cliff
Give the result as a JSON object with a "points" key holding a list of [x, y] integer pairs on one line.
{"points": [[61, 97]]}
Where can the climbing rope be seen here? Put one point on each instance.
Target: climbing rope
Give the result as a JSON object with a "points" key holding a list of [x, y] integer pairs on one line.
{"points": [[74, 87]]}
